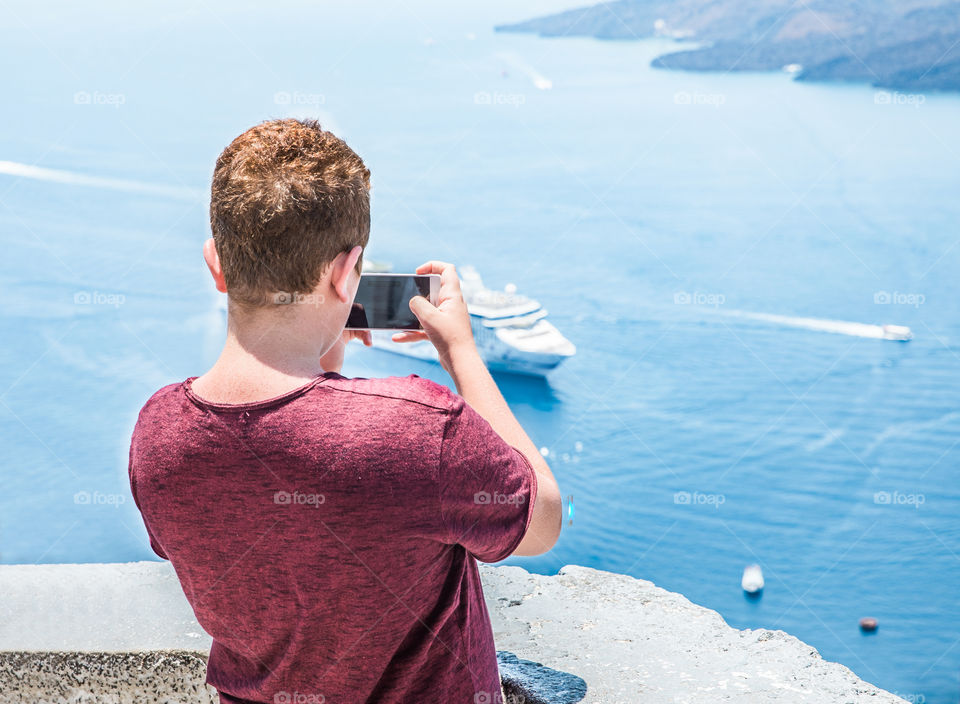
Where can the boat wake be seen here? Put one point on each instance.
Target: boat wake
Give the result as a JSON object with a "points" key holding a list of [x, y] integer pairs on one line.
{"points": [[897, 333], [39, 173], [539, 81]]}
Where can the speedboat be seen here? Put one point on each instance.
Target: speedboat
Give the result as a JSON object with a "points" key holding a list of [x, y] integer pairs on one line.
{"points": [[898, 333], [752, 580]]}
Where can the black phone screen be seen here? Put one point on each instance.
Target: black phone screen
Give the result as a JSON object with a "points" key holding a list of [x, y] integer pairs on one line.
{"points": [[383, 302]]}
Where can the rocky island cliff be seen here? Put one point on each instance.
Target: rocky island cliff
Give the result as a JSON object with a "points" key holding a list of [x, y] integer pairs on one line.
{"points": [[897, 44]]}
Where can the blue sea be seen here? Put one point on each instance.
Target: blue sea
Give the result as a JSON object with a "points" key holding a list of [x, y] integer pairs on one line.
{"points": [[654, 214]]}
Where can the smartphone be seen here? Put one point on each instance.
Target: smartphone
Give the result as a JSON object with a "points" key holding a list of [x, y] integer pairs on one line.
{"points": [[383, 301]]}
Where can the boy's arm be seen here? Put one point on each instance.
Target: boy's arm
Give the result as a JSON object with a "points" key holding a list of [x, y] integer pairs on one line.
{"points": [[479, 390], [447, 325]]}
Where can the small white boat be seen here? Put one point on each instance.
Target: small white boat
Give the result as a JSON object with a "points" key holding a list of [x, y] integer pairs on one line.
{"points": [[511, 331], [752, 580], [899, 333]]}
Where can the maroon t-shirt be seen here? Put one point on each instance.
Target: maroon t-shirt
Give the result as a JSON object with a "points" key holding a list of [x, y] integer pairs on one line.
{"points": [[327, 539]]}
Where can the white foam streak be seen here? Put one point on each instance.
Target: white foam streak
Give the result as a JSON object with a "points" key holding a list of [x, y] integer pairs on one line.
{"points": [[539, 81], [71, 178], [839, 327]]}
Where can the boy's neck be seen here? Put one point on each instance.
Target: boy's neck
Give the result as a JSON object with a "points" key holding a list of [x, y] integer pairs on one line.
{"points": [[266, 354]]}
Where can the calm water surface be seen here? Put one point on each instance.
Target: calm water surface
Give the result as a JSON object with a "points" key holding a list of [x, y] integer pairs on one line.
{"points": [[647, 210]]}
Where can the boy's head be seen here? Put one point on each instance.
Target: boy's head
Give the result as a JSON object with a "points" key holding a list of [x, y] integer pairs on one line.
{"points": [[287, 199]]}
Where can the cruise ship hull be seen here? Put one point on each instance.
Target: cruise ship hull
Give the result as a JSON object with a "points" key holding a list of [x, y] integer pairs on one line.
{"points": [[497, 355]]}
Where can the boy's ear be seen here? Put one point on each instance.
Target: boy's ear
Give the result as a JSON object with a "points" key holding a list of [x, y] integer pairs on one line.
{"points": [[343, 265], [212, 259]]}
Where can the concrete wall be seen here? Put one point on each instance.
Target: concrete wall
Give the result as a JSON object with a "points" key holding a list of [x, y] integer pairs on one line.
{"points": [[124, 633]]}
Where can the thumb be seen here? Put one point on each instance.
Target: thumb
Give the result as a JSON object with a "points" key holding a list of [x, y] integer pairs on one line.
{"points": [[422, 308]]}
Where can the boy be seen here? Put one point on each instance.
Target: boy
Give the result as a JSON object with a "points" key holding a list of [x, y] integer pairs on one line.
{"points": [[325, 530]]}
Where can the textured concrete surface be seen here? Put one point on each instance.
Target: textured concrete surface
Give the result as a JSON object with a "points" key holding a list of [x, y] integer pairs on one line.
{"points": [[632, 641], [91, 634], [134, 606], [156, 677], [125, 634]]}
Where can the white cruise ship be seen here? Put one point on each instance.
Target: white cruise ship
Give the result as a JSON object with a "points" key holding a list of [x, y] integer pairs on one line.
{"points": [[511, 330]]}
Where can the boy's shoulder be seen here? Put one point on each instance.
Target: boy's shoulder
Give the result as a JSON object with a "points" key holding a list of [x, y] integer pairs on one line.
{"points": [[412, 388], [160, 396]]}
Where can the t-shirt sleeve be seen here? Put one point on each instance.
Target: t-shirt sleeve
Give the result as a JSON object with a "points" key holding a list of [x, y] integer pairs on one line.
{"points": [[487, 487], [156, 546], [131, 472]]}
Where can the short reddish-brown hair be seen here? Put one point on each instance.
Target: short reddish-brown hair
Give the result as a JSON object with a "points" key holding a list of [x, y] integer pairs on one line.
{"points": [[287, 198]]}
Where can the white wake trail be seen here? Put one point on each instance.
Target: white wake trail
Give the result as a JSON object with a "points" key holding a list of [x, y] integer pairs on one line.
{"points": [[539, 81], [840, 327], [71, 178]]}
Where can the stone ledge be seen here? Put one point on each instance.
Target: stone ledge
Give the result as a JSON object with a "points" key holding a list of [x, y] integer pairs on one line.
{"points": [[633, 641], [154, 677], [124, 633]]}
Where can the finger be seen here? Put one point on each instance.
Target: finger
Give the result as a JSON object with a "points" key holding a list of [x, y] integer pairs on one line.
{"points": [[422, 308], [450, 284], [366, 337], [433, 267], [409, 336]]}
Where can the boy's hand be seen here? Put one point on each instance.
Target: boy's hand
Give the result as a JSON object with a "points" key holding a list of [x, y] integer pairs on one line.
{"points": [[363, 335], [332, 359], [446, 325]]}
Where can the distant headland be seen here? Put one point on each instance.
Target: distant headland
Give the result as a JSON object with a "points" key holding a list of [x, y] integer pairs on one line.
{"points": [[897, 44]]}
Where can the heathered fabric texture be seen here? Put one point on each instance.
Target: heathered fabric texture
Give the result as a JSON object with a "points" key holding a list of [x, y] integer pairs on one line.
{"points": [[327, 539]]}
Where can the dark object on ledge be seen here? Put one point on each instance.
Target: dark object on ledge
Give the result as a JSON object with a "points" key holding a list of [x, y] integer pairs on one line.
{"points": [[533, 683]]}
